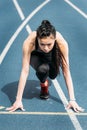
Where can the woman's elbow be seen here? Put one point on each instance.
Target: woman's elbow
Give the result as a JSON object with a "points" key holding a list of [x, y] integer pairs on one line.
{"points": [[66, 71]]}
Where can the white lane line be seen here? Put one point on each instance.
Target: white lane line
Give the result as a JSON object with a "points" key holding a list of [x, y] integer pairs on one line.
{"points": [[10, 42], [76, 8], [65, 102], [28, 29], [20, 12]]}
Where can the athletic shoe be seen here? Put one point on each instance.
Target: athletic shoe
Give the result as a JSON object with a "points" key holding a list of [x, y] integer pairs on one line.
{"points": [[44, 94]]}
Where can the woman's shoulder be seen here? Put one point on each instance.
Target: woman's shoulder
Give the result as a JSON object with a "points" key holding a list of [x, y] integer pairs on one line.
{"points": [[32, 36], [62, 43], [30, 41]]}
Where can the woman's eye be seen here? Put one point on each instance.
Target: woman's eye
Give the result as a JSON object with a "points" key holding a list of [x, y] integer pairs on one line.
{"points": [[42, 44], [49, 44], [45, 45]]}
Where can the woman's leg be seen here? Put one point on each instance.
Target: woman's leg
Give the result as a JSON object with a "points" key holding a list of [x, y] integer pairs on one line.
{"points": [[35, 61], [52, 72], [42, 69], [42, 72]]}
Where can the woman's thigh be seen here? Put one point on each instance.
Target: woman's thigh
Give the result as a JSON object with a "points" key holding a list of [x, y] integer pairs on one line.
{"points": [[53, 72], [35, 61]]}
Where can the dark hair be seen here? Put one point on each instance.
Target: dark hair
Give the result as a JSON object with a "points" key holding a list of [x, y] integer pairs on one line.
{"points": [[58, 57], [46, 29]]}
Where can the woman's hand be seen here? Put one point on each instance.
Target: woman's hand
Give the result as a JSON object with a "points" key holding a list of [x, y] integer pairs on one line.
{"points": [[17, 105], [74, 106]]}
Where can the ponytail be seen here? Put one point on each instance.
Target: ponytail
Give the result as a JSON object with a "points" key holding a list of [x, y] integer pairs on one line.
{"points": [[46, 29]]}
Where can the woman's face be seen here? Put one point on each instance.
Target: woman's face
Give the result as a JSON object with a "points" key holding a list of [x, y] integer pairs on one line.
{"points": [[46, 44]]}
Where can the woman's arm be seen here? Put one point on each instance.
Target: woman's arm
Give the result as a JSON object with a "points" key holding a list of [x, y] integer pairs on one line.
{"points": [[66, 72], [27, 49]]}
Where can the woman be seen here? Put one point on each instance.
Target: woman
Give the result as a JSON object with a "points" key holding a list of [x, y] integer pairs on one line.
{"points": [[46, 51]]}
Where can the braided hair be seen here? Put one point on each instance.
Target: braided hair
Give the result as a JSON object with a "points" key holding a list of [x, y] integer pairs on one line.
{"points": [[45, 30]]}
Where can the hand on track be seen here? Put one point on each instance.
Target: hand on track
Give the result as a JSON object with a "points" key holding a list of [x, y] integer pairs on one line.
{"points": [[15, 106], [75, 106]]}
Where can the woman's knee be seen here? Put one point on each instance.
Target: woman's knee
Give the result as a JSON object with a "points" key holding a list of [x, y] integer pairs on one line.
{"points": [[44, 68], [53, 76], [42, 72]]}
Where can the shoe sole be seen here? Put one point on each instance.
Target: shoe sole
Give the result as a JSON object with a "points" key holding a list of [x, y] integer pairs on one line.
{"points": [[44, 97]]}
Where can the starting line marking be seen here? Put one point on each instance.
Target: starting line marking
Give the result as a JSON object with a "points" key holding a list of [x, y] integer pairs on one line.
{"points": [[2, 111], [2, 107], [43, 113]]}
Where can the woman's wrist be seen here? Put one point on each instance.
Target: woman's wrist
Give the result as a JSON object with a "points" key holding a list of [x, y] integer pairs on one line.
{"points": [[18, 98], [73, 99]]}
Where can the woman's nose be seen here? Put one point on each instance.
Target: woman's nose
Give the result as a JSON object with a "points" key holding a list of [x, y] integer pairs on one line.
{"points": [[45, 48]]}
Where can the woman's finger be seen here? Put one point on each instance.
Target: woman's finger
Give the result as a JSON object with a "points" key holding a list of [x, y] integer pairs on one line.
{"points": [[80, 109], [22, 109], [14, 109], [9, 108]]}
